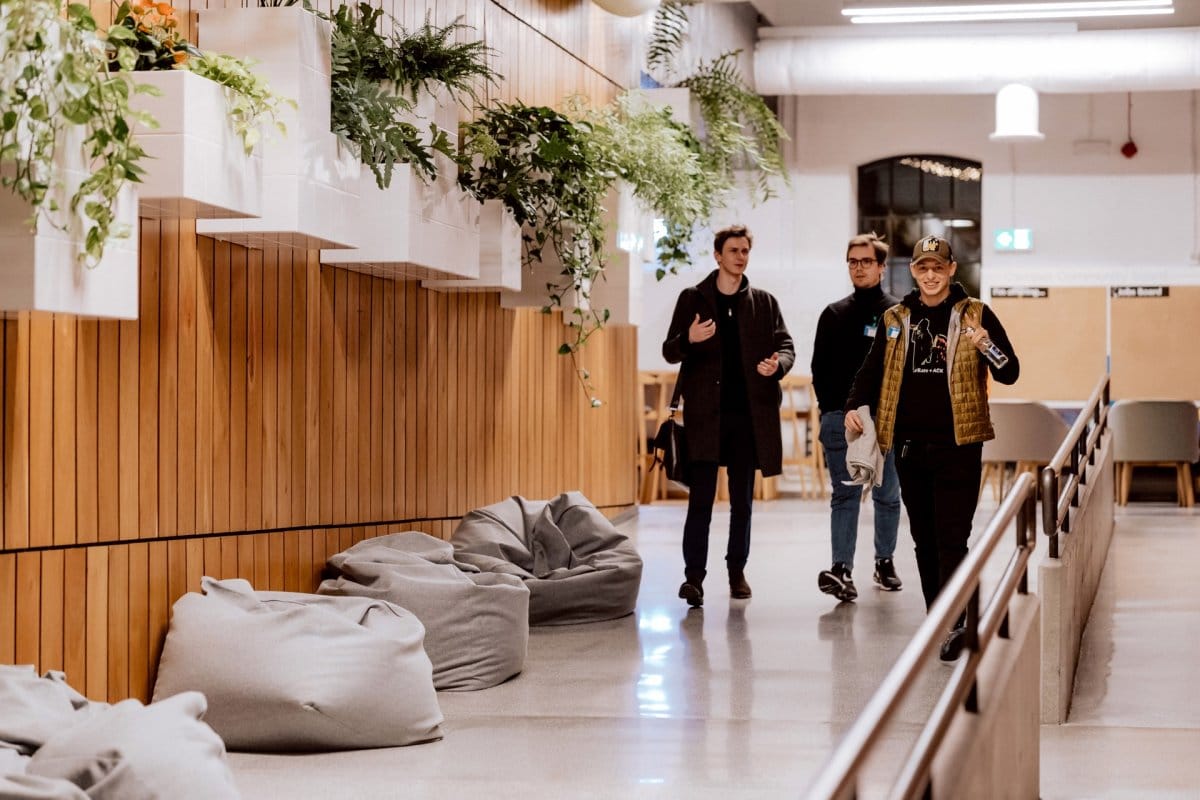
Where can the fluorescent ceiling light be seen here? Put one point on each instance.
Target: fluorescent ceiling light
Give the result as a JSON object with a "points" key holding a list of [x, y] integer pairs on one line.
{"points": [[999, 17], [983, 8], [980, 12]]}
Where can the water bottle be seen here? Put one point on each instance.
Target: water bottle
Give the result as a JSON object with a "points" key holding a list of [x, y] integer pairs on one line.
{"points": [[993, 353]]}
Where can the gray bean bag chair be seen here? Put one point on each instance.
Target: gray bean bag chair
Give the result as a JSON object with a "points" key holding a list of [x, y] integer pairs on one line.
{"points": [[476, 623], [577, 566], [288, 672], [33, 709], [128, 751], [57, 745]]}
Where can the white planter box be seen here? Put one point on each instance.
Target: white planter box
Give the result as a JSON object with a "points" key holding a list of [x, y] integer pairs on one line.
{"points": [[499, 254], [198, 166], [42, 271], [683, 109], [413, 230], [533, 292], [308, 180], [629, 240], [627, 229], [620, 289]]}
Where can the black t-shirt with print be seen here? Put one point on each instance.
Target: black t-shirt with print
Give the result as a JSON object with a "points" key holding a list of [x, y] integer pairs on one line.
{"points": [[924, 412]]}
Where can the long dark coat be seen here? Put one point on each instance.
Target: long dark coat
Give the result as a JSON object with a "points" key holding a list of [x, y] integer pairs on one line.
{"points": [[762, 332]]}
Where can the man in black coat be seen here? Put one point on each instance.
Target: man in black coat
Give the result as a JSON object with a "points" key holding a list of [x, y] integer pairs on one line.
{"points": [[735, 349]]}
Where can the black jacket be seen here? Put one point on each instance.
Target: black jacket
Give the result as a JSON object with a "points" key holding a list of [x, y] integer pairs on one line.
{"points": [[762, 332], [845, 332]]}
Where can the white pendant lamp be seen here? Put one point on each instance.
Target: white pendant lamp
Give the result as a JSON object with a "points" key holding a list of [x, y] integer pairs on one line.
{"points": [[627, 8], [1017, 115]]}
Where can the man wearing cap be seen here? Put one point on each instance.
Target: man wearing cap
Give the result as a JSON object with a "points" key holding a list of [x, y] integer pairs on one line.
{"points": [[925, 382], [845, 332]]}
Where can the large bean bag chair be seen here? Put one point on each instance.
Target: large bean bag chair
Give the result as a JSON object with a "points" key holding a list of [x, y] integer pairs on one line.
{"points": [[287, 672], [129, 751], [32, 708], [577, 566], [476, 623], [55, 744]]}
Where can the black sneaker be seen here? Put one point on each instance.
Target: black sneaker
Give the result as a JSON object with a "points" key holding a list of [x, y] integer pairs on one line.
{"points": [[952, 647], [837, 581], [885, 575], [693, 593]]}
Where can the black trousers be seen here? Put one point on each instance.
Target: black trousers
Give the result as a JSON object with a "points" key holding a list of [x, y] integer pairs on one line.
{"points": [[740, 460], [939, 484]]}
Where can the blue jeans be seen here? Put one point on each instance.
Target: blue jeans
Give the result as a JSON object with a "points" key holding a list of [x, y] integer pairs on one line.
{"points": [[845, 500]]}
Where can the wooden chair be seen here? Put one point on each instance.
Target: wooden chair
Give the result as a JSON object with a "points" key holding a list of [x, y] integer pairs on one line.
{"points": [[647, 400], [1149, 433], [656, 389], [801, 421]]}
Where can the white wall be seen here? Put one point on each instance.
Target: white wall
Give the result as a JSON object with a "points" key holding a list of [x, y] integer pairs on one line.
{"points": [[1097, 219]]}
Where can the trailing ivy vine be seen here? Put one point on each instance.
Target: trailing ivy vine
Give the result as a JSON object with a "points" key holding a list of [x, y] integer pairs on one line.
{"points": [[53, 78], [547, 170]]}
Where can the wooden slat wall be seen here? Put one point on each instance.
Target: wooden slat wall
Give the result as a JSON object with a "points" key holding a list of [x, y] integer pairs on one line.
{"points": [[265, 411]]}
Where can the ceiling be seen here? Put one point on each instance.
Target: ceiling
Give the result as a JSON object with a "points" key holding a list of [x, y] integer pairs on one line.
{"points": [[806, 13]]}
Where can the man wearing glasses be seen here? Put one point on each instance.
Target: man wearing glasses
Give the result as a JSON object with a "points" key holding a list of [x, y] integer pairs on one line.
{"points": [[925, 381], [845, 332]]}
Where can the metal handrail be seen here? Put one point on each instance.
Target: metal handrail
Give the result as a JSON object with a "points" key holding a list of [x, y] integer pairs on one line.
{"points": [[1079, 448], [837, 779]]}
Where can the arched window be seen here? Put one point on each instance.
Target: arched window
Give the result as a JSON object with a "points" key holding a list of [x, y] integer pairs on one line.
{"points": [[907, 197]]}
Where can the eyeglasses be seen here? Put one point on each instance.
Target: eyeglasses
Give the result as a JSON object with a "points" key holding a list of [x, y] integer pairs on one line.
{"points": [[855, 263]]}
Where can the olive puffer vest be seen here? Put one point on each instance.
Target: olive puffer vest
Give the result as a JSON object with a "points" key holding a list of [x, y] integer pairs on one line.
{"points": [[967, 377]]}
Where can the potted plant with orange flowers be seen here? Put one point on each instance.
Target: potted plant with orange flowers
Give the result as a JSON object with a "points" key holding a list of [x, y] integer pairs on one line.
{"points": [[210, 110]]}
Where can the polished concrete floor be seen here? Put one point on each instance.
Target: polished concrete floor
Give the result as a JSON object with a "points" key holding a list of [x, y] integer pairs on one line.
{"points": [[1134, 726], [745, 699]]}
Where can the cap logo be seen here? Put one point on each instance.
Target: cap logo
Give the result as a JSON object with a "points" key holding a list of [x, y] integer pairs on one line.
{"points": [[930, 245]]}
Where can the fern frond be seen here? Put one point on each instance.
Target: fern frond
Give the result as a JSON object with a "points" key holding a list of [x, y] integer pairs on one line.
{"points": [[667, 35]]}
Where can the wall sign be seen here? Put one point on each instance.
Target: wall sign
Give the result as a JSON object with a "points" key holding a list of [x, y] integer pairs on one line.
{"points": [[1013, 239], [1141, 291], [1020, 291]]}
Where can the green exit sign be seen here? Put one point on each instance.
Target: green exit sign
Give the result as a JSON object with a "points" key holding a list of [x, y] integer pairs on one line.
{"points": [[1013, 239]]}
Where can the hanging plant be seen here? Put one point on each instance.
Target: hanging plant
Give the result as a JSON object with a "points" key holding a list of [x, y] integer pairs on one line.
{"points": [[549, 172], [373, 77], [740, 132], [427, 58], [146, 37], [667, 35], [664, 163], [55, 77]]}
